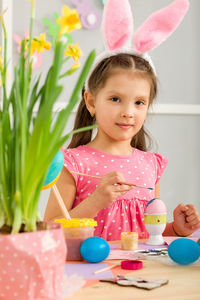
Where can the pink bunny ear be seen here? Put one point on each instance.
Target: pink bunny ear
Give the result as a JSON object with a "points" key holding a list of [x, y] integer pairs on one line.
{"points": [[117, 23], [160, 25]]}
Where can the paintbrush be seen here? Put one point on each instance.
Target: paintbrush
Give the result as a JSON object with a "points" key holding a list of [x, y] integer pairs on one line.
{"points": [[98, 177]]}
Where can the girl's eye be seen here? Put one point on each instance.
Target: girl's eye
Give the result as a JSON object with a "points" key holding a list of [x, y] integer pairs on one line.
{"points": [[139, 102], [115, 99]]}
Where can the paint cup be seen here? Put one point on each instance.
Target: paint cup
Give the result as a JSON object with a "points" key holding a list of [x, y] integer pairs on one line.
{"points": [[76, 231], [129, 240]]}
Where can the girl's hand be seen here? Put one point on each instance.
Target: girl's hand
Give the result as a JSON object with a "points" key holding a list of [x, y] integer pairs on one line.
{"points": [[186, 219], [111, 186]]}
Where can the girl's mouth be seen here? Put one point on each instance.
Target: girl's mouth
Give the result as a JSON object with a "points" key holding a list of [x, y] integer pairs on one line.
{"points": [[124, 126]]}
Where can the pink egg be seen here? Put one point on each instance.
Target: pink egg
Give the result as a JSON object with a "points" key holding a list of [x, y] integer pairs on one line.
{"points": [[155, 206]]}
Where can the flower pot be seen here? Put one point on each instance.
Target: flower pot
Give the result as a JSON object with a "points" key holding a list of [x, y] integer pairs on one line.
{"points": [[32, 264]]}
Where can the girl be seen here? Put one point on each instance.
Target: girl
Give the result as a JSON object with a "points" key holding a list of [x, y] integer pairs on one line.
{"points": [[117, 96], [119, 92]]}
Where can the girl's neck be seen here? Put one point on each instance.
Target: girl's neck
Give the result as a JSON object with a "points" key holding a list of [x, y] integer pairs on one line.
{"points": [[118, 148]]}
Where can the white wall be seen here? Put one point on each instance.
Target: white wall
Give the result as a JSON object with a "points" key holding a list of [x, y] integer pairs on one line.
{"points": [[177, 61]]}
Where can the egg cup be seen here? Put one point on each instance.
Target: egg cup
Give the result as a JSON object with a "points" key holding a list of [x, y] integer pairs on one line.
{"points": [[155, 225]]}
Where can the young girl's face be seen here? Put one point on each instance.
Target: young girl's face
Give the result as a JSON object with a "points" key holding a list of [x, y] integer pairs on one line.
{"points": [[121, 105]]}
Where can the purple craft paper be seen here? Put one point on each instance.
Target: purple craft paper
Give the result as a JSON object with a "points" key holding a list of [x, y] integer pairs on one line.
{"points": [[86, 270], [113, 246], [144, 246], [196, 233]]}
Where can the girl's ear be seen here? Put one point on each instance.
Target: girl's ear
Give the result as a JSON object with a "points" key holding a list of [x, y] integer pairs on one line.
{"points": [[117, 23], [159, 26], [90, 102]]}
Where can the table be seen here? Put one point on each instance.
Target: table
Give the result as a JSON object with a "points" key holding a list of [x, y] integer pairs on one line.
{"points": [[184, 284]]}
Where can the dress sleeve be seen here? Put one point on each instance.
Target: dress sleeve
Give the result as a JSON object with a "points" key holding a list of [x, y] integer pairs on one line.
{"points": [[70, 162], [161, 163]]}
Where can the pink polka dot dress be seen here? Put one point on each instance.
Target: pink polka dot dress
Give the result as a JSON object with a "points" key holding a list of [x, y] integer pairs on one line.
{"points": [[127, 212]]}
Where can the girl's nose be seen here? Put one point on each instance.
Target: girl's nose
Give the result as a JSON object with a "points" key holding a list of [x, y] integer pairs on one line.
{"points": [[127, 115]]}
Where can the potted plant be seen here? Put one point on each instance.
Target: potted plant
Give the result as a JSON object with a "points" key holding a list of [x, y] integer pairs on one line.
{"points": [[32, 254]]}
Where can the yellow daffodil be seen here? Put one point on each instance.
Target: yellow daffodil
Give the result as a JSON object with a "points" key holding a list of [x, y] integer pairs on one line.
{"points": [[74, 51], [69, 20], [75, 66], [1, 15], [39, 44]]}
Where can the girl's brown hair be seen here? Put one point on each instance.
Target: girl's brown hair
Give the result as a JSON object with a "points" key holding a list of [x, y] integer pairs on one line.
{"points": [[97, 80]]}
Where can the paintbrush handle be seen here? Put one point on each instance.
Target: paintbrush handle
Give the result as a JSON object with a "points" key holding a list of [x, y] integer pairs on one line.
{"points": [[98, 177], [61, 202]]}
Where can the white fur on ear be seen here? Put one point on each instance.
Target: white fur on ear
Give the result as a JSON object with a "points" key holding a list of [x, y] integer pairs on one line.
{"points": [[160, 25], [117, 24]]}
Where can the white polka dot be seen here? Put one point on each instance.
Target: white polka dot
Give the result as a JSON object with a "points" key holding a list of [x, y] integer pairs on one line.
{"points": [[135, 167], [86, 158], [97, 173], [89, 194], [119, 228], [137, 178], [15, 294], [12, 279], [142, 172], [105, 227], [126, 221], [129, 172], [102, 221], [128, 160], [21, 286], [15, 254], [109, 214], [18, 270], [110, 233], [81, 179], [93, 153], [9, 263], [96, 163], [7, 287], [88, 181], [26, 276], [89, 169], [122, 214], [77, 154], [113, 221], [112, 160], [105, 167], [133, 220], [102, 155], [138, 191]]}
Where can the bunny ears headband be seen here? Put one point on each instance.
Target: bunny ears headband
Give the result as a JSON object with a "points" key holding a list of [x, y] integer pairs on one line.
{"points": [[118, 29]]}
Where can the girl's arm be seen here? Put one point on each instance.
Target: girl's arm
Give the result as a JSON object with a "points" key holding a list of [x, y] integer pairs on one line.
{"points": [[109, 188]]}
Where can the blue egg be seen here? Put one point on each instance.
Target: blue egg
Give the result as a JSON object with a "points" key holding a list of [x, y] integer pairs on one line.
{"points": [[55, 168], [94, 249], [184, 251]]}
